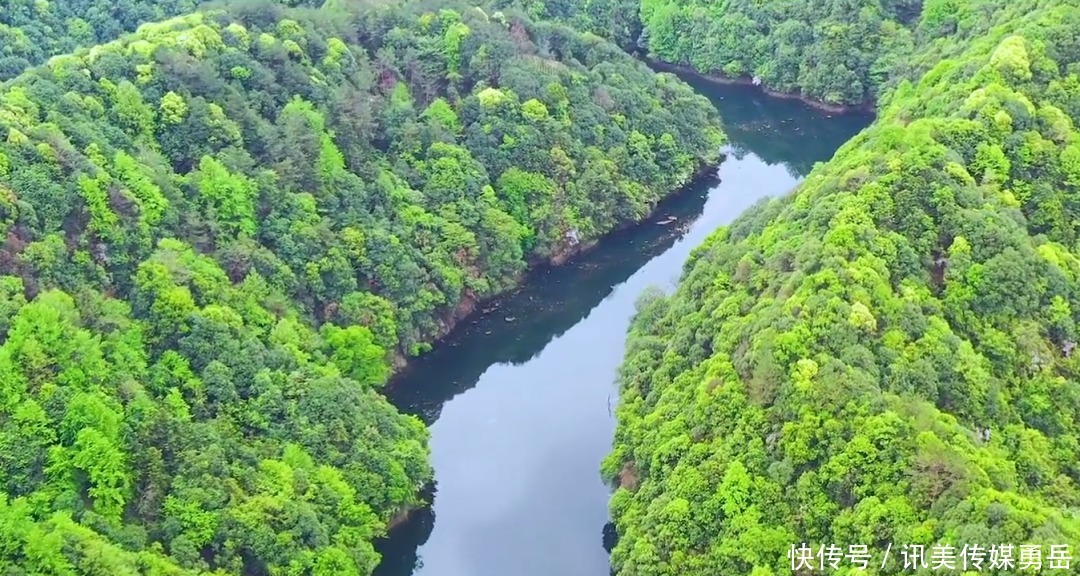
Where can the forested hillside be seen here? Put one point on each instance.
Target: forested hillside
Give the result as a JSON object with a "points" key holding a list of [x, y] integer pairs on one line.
{"points": [[218, 232], [618, 20], [33, 30], [835, 52], [888, 355]]}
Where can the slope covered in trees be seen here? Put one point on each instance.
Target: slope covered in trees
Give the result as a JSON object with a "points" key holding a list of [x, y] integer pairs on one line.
{"points": [[887, 355], [617, 20], [218, 231], [836, 52], [33, 30]]}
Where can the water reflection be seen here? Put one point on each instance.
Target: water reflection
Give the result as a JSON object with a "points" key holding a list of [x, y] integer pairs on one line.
{"points": [[517, 399], [517, 327], [779, 131]]}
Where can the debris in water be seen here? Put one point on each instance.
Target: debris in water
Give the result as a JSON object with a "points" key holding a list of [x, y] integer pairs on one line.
{"points": [[509, 318]]}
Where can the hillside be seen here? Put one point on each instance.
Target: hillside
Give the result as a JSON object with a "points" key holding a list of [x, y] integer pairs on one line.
{"points": [[218, 233], [887, 355], [835, 54], [33, 30]]}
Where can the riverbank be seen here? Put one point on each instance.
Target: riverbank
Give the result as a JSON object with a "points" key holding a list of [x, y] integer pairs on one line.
{"points": [[867, 107], [519, 399], [405, 515], [470, 303]]}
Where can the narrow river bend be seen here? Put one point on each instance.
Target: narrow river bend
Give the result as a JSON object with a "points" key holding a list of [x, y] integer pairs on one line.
{"points": [[519, 398]]}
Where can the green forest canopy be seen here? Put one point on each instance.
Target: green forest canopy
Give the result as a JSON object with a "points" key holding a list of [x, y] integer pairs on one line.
{"points": [[836, 52], [839, 52], [888, 355], [219, 231], [33, 30]]}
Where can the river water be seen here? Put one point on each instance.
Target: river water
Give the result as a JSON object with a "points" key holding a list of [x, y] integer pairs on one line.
{"points": [[519, 398]]}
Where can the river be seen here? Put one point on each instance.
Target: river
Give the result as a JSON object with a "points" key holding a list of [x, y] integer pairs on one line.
{"points": [[519, 398]]}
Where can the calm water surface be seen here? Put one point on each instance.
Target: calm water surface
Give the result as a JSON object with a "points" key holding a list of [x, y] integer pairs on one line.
{"points": [[519, 398]]}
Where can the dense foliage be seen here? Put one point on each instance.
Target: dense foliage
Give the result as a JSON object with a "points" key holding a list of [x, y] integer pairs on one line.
{"points": [[837, 52], [617, 20], [33, 30], [218, 231], [888, 355]]}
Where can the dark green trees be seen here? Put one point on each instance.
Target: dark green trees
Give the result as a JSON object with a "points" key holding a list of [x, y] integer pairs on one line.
{"points": [[220, 231], [215, 434], [888, 354], [833, 52], [836, 53], [32, 31]]}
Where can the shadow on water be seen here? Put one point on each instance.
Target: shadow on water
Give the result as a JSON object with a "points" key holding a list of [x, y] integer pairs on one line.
{"points": [[779, 131], [400, 551], [515, 328]]}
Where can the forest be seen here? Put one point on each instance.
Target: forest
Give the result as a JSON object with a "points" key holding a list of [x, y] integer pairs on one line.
{"points": [[223, 231], [888, 354], [33, 30], [223, 228], [836, 53]]}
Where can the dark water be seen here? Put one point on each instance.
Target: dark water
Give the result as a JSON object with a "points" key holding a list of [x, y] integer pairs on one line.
{"points": [[518, 400]]}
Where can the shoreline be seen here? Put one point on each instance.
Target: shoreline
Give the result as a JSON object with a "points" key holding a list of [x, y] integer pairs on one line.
{"points": [[405, 514], [867, 107], [470, 304]]}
